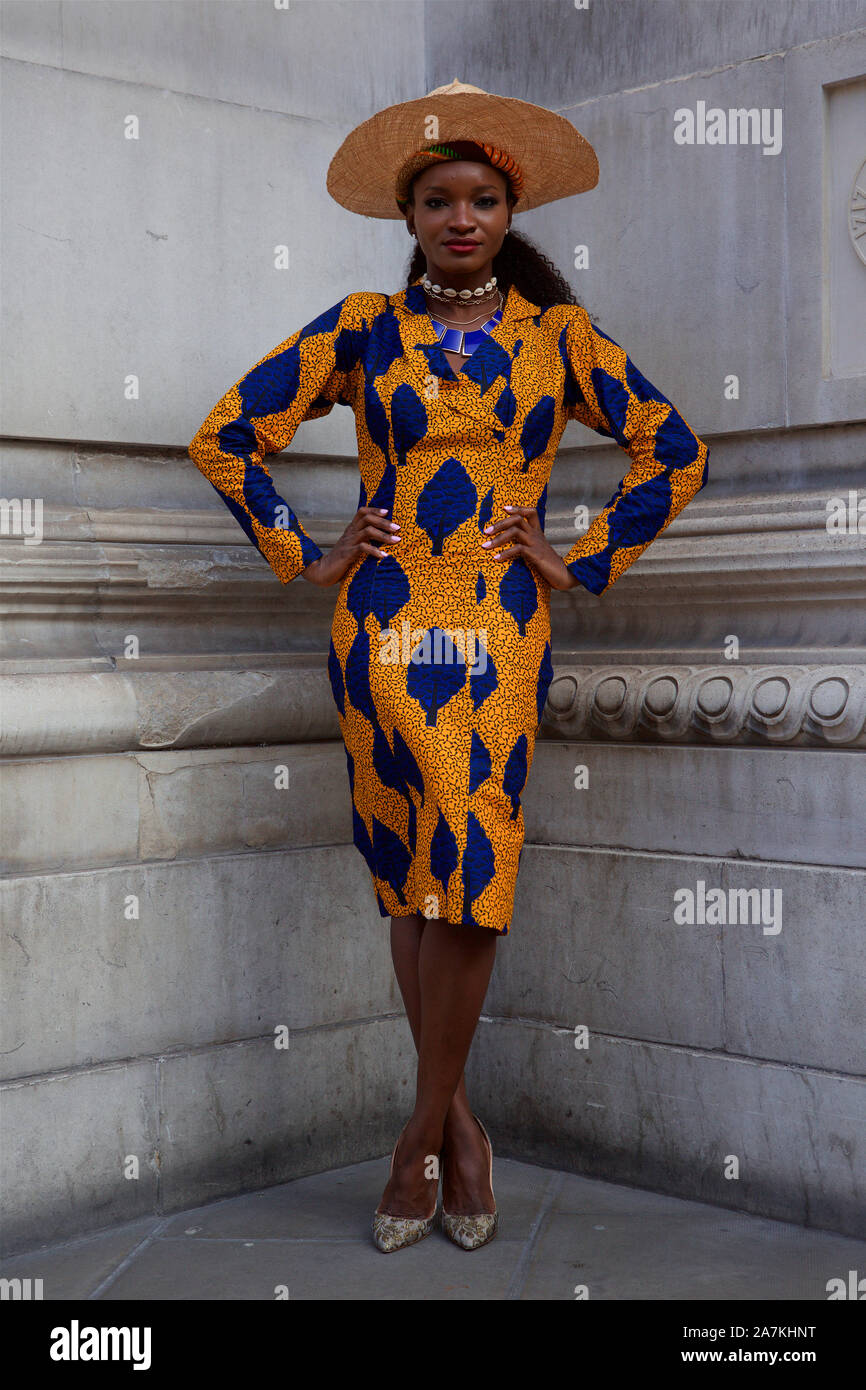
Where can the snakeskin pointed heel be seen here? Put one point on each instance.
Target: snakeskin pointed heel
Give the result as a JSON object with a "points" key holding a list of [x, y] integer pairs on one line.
{"points": [[392, 1233], [471, 1232]]}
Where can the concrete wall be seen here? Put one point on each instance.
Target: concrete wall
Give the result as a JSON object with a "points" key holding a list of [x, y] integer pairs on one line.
{"points": [[145, 1044]]}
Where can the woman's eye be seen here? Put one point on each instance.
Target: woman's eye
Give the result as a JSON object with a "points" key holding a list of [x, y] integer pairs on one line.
{"points": [[486, 198]]}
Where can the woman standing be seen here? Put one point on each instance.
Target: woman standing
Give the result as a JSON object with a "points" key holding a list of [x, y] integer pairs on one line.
{"points": [[461, 385]]}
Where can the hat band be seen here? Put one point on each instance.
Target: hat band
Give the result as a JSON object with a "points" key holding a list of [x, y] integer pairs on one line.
{"points": [[422, 159]]}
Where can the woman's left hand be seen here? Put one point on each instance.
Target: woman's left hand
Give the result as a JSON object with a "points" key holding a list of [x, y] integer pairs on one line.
{"points": [[522, 529]]}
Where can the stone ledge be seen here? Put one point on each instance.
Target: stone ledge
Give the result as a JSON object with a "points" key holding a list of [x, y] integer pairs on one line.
{"points": [[218, 702], [129, 708], [788, 548], [148, 525]]}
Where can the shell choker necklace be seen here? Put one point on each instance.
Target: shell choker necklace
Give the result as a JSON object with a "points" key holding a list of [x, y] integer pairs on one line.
{"points": [[460, 296]]}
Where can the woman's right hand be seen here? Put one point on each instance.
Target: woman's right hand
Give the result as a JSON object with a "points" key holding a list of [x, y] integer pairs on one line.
{"points": [[366, 532]]}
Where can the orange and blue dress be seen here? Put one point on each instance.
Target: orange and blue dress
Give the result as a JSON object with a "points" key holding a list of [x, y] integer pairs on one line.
{"points": [[440, 655]]}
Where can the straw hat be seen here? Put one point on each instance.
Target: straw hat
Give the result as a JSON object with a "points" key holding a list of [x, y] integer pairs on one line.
{"points": [[554, 158]]}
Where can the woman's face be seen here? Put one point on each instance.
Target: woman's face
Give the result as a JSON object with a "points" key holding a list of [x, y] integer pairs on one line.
{"points": [[459, 201]]}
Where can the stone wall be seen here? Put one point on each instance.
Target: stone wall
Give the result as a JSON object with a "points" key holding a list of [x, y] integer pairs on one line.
{"points": [[199, 998]]}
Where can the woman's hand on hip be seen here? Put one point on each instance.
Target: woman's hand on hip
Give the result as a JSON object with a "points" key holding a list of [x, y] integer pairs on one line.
{"points": [[521, 533], [365, 534]]}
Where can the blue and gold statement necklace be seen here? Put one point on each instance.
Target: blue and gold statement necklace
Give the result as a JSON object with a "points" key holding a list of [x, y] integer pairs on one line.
{"points": [[458, 339]]}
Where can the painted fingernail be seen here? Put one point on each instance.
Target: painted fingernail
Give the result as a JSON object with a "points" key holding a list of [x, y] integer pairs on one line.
{"points": [[484, 544], [487, 530], [508, 509]]}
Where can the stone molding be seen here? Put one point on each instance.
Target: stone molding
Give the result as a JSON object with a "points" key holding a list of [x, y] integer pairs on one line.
{"points": [[200, 703], [822, 706]]}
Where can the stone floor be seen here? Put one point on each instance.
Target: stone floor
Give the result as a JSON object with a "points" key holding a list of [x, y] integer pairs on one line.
{"points": [[558, 1231]]}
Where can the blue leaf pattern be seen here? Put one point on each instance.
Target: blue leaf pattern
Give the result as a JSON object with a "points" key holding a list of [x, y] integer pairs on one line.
{"points": [[358, 676], [478, 866], [393, 859], [443, 852], [483, 679], [537, 429], [376, 419], [390, 590], [386, 764], [480, 765], [613, 398], [407, 764], [446, 500], [437, 670], [506, 406], [545, 676], [515, 774], [360, 589], [518, 593], [384, 346], [408, 421], [488, 362]]}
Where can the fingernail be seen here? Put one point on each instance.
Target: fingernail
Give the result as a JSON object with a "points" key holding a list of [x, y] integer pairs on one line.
{"points": [[484, 544], [487, 529], [508, 509]]}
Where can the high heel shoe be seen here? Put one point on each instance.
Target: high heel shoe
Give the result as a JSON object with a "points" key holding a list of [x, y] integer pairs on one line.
{"points": [[471, 1232], [392, 1233]]}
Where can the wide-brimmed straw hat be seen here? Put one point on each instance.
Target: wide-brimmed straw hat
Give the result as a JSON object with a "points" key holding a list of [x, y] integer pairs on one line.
{"points": [[553, 159]]}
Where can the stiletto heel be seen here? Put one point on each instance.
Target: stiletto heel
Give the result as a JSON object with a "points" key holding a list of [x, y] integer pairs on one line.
{"points": [[471, 1232], [392, 1233]]}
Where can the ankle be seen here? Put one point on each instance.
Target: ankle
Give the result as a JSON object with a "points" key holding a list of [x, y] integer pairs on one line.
{"points": [[459, 1115]]}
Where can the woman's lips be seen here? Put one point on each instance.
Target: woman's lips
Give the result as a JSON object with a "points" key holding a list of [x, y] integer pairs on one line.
{"points": [[464, 246]]}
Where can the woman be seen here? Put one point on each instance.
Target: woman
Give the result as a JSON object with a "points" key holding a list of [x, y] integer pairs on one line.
{"points": [[461, 385]]}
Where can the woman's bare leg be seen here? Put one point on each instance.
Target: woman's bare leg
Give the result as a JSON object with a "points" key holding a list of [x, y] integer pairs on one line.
{"points": [[443, 972], [405, 945]]}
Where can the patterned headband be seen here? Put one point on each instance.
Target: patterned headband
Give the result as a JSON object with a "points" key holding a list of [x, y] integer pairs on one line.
{"points": [[464, 149]]}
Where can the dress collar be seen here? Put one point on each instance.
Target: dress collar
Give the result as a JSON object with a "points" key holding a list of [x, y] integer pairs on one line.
{"points": [[412, 302]]}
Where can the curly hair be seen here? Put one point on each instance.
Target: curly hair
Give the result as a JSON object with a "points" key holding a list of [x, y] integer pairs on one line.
{"points": [[518, 262]]}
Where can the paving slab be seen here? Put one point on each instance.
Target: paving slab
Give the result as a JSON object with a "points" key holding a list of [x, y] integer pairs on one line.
{"points": [[339, 1205], [616, 1243], [73, 1270], [560, 1234], [234, 1270]]}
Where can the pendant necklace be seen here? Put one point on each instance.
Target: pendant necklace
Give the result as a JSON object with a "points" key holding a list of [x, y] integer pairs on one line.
{"points": [[458, 340]]}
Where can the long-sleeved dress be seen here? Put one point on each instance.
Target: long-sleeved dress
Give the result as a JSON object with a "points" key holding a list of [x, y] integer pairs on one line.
{"points": [[440, 654]]}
